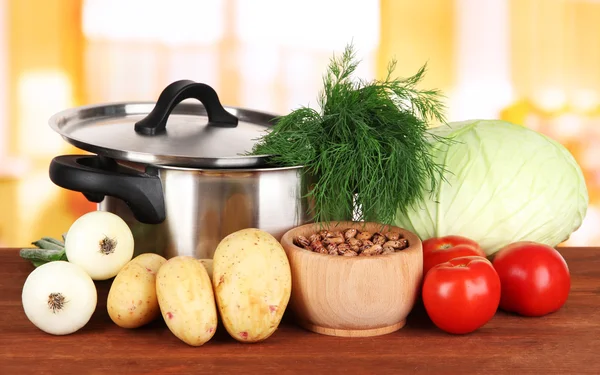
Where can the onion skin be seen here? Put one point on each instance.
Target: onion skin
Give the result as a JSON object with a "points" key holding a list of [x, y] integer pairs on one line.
{"points": [[101, 243], [75, 287]]}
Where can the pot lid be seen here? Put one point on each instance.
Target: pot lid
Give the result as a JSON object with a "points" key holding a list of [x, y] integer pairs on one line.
{"points": [[168, 132]]}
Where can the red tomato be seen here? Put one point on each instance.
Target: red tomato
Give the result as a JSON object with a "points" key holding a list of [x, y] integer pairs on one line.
{"points": [[441, 249], [461, 295], [535, 278]]}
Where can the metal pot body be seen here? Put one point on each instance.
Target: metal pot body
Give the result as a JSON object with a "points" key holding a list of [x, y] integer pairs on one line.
{"points": [[179, 174], [204, 206]]}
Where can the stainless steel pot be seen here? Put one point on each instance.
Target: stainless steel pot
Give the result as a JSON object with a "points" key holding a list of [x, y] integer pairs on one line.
{"points": [[179, 174]]}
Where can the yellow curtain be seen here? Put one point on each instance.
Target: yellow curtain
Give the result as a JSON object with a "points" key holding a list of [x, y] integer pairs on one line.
{"points": [[556, 60], [416, 32], [45, 63]]}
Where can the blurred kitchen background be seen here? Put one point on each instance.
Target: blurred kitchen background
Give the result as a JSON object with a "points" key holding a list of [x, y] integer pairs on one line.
{"points": [[533, 62]]}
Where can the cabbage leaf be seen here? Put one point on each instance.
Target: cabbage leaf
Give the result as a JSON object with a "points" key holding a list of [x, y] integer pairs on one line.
{"points": [[504, 183]]}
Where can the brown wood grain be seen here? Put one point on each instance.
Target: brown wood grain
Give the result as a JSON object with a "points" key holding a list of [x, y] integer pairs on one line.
{"points": [[353, 296], [566, 342]]}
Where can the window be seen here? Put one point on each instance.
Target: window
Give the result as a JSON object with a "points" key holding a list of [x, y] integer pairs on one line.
{"points": [[261, 54]]}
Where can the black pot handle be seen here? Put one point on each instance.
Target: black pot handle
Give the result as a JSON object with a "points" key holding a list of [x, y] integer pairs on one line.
{"points": [[156, 121], [96, 177]]}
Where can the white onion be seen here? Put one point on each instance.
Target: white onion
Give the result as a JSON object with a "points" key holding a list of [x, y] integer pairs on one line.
{"points": [[101, 243], [59, 297]]}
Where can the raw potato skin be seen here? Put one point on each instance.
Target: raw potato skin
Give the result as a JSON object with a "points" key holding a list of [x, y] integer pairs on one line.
{"points": [[186, 300], [132, 300], [208, 264], [252, 283]]}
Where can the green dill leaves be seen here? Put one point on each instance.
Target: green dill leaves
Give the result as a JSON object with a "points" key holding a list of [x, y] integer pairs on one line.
{"points": [[366, 151]]}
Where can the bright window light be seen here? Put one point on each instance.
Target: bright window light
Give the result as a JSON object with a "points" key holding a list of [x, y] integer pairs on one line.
{"points": [[482, 60], [36, 192], [40, 95], [568, 126], [550, 98], [172, 22], [312, 24], [587, 234], [585, 100], [285, 46]]}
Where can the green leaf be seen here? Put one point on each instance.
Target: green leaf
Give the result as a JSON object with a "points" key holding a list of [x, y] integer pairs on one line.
{"points": [[41, 256], [37, 263], [54, 241], [49, 244]]}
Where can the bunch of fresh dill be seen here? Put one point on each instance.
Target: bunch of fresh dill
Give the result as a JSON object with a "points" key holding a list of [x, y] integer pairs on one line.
{"points": [[366, 147]]}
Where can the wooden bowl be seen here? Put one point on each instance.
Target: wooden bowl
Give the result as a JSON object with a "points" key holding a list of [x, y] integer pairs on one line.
{"points": [[356, 296]]}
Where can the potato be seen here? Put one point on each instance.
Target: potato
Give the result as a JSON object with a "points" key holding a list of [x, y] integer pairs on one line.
{"points": [[132, 300], [252, 283], [186, 300], [208, 264]]}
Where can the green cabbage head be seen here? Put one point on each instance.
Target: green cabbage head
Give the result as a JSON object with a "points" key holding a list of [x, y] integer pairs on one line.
{"points": [[505, 183]]}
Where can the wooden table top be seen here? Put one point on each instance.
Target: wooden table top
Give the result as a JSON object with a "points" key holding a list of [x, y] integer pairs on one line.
{"points": [[566, 342]]}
